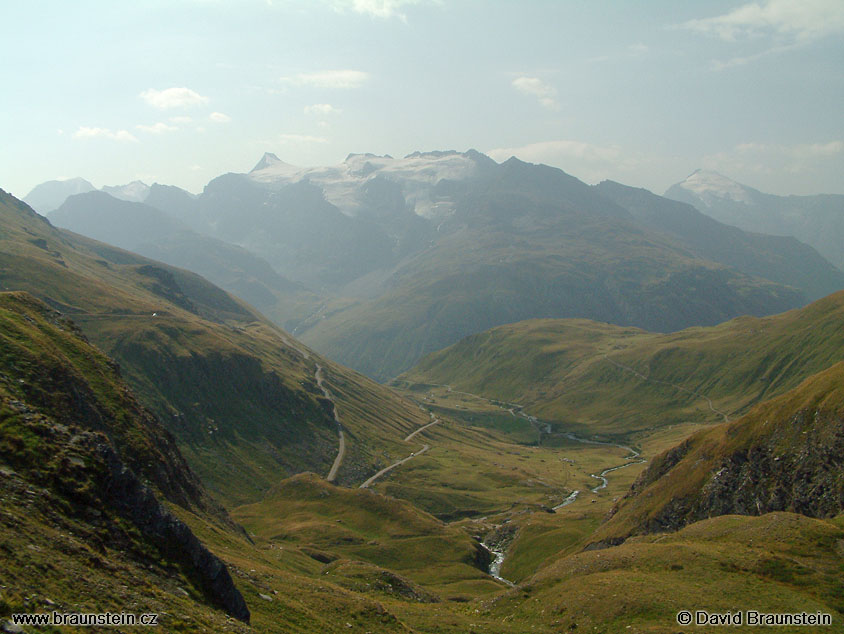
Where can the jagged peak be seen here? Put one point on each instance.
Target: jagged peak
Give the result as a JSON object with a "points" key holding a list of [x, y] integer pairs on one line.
{"points": [[136, 191], [366, 155], [268, 160], [433, 154]]}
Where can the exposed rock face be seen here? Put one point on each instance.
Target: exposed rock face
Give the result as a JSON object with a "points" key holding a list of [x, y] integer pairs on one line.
{"points": [[760, 479], [138, 503], [70, 426], [784, 455]]}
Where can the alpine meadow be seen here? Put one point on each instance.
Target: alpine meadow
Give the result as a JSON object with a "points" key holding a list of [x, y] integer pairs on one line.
{"points": [[422, 316]]}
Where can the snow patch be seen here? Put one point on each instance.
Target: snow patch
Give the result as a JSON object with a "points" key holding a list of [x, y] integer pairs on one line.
{"points": [[708, 185], [342, 184]]}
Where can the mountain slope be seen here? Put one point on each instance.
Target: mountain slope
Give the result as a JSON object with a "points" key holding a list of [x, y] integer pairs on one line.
{"points": [[294, 228], [71, 429], [780, 259], [144, 229], [238, 394], [529, 241], [816, 220], [773, 564], [786, 454], [615, 379]]}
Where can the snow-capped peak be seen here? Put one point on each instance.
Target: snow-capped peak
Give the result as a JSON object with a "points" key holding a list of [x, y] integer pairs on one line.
{"points": [[417, 173], [268, 160], [709, 184], [135, 192]]}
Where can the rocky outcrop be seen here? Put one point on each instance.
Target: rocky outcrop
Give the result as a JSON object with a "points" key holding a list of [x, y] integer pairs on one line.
{"points": [[785, 455], [71, 427], [760, 479], [137, 503]]}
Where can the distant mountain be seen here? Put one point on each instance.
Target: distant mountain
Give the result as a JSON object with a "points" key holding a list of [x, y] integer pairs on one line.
{"points": [[331, 226], [411, 254], [780, 259], [48, 196], [136, 191], [509, 242], [149, 231], [816, 220], [239, 395], [174, 200]]}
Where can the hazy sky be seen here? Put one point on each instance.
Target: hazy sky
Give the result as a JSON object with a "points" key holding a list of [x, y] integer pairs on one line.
{"points": [[181, 91]]}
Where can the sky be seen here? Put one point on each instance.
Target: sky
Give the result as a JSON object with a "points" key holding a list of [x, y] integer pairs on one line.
{"points": [[181, 91]]}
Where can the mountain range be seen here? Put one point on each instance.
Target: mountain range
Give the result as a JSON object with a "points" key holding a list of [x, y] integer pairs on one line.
{"points": [[401, 257], [220, 377], [817, 220], [146, 415]]}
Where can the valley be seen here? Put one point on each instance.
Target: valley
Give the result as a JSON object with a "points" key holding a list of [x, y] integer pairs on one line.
{"points": [[422, 317], [516, 479]]}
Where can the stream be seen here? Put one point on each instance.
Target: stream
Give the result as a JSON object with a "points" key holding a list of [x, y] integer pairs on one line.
{"points": [[499, 550], [634, 457]]}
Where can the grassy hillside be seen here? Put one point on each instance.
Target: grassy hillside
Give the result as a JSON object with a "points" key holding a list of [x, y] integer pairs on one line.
{"points": [[238, 393], [346, 527], [785, 455], [72, 439], [776, 563], [80, 533], [616, 380], [145, 229]]}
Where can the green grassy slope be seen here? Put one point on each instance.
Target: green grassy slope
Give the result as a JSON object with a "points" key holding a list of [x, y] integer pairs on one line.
{"points": [[72, 438], [238, 393], [785, 454], [79, 534], [776, 563], [616, 380], [360, 525]]}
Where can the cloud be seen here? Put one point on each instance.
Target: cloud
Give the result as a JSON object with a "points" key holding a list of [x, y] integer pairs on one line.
{"points": [[324, 109], [340, 79], [383, 9], [219, 117], [536, 88], [748, 59], [173, 98], [800, 21], [301, 138], [104, 133], [555, 152], [157, 128], [771, 158]]}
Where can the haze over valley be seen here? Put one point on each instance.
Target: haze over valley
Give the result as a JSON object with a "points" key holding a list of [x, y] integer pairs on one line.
{"points": [[584, 377]]}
